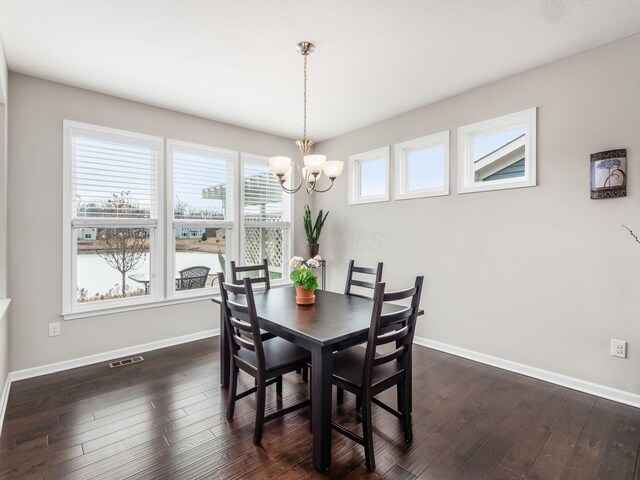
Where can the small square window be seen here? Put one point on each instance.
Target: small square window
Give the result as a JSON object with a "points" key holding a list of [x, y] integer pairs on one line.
{"points": [[369, 176], [498, 154], [422, 167]]}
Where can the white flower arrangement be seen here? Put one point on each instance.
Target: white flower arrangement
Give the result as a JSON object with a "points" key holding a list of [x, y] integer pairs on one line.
{"points": [[302, 274]]}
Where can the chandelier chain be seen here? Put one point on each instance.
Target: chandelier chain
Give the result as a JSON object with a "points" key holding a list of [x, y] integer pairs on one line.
{"points": [[304, 134]]}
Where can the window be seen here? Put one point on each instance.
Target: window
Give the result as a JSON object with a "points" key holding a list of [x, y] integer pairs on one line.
{"points": [[497, 154], [422, 167], [142, 229], [369, 176], [266, 218], [200, 194], [112, 216]]}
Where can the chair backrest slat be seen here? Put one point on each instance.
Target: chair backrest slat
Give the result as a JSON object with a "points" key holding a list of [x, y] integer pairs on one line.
{"points": [[354, 282], [399, 327], [244, 343], [262, 269], [395, 317], [392, 336], [241, 320], [399, 294], [387, 357], [363, 284], [238, 307], [368, 270], [240, 325]]}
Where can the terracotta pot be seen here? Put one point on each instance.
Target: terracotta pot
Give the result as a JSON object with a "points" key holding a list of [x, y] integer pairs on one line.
{"points": [[312, 249], [305, 297]]}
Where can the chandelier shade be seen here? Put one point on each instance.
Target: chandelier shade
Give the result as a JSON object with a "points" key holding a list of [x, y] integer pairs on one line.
{"points": [[315, 163], [279, 165], [333, 168]]}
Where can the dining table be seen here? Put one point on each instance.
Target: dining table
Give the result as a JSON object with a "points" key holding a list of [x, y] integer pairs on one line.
{"points": [[333, 322]]}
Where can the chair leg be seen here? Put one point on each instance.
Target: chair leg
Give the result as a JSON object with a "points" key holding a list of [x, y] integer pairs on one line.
{"points": [[367, 435], [340, 396], [233, 388], [261, 392], [279, 386], [404, 407], [305, 374], [358, 402]]}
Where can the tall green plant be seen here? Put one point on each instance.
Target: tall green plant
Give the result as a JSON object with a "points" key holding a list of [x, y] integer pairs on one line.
{"points": [[313, 230]]}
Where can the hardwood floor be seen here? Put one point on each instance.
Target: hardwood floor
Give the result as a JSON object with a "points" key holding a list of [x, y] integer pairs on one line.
{"points": [[165, 418]]}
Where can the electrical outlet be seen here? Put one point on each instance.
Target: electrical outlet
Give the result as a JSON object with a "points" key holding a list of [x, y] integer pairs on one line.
{"points": [[619, 348], [54, 329]]}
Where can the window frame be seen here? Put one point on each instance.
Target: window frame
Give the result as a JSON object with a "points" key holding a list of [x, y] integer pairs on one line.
{"points": [[355, 162], [230, 224], [161, 246], [525, 118], [70, 305], [400, 158], [289, 225]]}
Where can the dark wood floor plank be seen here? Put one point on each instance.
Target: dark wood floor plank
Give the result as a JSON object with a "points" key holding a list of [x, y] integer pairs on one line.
{"points": [[581, 468], [488, 412], [576, 414], [595, 435], [165, 418], [503, 473], [554, 457], [500, 441], [621, 455], [523, 454]]}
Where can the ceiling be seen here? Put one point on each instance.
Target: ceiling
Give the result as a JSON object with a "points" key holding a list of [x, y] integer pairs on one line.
{"points": [[235, 61]]}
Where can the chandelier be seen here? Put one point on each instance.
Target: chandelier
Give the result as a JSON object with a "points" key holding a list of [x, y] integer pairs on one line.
{"points": [[314, 164]]}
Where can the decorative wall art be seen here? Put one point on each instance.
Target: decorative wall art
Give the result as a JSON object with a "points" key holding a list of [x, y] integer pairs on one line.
{"points": [[609, 174]]}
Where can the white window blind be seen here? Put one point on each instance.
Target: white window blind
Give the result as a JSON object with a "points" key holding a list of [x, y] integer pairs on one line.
{"points": [[263, 198], [203, 182], [114, 175]]}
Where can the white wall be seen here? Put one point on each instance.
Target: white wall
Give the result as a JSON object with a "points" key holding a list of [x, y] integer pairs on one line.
{"points": [[35, 218], [4, 316], [4, 73], [542, 276]]}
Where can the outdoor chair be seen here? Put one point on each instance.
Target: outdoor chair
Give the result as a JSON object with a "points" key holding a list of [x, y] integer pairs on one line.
{"points": [[192, 277]]}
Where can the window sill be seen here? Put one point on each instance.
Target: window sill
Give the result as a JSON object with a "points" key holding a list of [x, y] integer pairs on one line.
{"points": [[109, 310]]}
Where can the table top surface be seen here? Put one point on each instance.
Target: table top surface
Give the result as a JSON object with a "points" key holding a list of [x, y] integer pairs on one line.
{"points": [[333, 318]]}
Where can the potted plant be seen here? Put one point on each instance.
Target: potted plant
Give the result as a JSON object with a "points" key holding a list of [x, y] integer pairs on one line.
{"points": [[313, 230], [304, 279]]}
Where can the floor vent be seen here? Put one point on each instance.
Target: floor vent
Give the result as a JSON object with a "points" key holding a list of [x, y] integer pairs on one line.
{"points": [[126, 361]]}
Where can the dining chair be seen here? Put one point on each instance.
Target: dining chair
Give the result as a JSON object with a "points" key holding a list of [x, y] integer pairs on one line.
{"points": [[354, 282], [259, 268], [365, 372], [192, 277], [264, 278], [266, 362]]}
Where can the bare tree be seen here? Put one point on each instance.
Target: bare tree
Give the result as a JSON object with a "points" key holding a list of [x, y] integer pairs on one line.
{"points": [[123, 248]]}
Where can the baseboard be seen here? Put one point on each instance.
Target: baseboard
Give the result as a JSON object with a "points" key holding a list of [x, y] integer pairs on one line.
{"points": [[4, 399], [103, 357], [621, 396]]}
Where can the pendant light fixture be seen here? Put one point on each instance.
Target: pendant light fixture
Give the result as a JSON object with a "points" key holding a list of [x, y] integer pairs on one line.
{"points": [[314, 164]]}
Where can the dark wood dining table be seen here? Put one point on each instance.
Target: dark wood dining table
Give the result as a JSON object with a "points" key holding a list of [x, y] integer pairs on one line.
{"points": [[335, 320]]}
